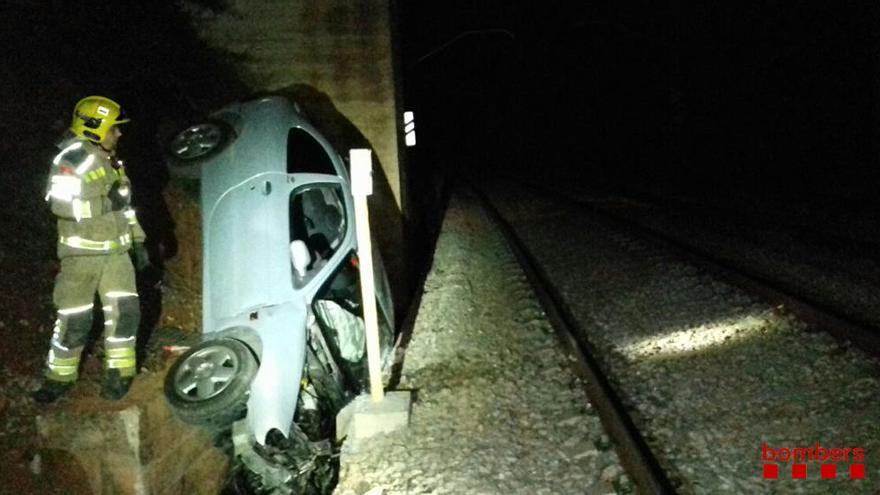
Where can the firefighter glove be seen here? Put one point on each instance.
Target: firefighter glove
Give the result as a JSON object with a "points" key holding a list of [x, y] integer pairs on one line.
{"points": [[120, 195], [140, 256]]}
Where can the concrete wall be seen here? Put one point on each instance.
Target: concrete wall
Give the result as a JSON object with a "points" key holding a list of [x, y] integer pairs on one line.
{"points": [[335, 58]]}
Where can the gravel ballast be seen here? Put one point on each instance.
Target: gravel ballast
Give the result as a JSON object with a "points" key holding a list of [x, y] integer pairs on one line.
{"points": [[842, 275], [710, 374], [497, 408]]}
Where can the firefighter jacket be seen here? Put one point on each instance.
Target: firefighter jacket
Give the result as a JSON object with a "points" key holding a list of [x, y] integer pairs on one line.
{"points": [[91, 196]]}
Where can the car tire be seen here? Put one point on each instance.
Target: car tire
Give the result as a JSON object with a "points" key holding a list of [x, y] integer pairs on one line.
{"points": [[209, 384], [199, 142]]}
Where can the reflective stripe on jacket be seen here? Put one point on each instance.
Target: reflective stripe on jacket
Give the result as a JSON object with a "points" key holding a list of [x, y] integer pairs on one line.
{"points": [[80, 180]]}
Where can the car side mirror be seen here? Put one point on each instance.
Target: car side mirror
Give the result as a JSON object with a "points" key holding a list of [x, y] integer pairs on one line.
{"points": [[300, 257]]}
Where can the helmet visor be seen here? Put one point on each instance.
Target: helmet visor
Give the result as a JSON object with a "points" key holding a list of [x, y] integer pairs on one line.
{"points": [[122, 118]]}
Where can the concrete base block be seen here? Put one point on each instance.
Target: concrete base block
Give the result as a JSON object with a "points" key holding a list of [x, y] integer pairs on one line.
{"points": [[363, 418]]}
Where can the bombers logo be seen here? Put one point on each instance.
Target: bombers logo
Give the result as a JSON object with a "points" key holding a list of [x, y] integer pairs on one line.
{"points": [[797, 456]]}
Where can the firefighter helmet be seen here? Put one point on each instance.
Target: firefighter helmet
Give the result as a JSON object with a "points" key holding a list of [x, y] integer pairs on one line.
{"points": [[93, 117]]}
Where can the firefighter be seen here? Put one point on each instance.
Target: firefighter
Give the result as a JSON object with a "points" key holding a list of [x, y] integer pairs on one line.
{"points": [[97, 228]]}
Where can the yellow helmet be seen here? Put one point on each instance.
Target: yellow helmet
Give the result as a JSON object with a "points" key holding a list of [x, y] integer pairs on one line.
{"points": [[93, 117]]}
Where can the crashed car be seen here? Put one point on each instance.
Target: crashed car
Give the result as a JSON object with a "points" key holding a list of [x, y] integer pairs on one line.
{"points": [[282, 346]]}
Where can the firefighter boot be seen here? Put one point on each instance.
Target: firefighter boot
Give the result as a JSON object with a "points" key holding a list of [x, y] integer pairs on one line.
{"points": [[115, 386], [51, 390]]}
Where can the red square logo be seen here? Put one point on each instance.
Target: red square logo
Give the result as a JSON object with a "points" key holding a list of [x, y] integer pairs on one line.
{"points": [[771, 471], [799, 471], [829, 471], [857, 471]]}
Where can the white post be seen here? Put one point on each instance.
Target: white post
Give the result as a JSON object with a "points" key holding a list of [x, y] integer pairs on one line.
{"points": [[361, 187]]}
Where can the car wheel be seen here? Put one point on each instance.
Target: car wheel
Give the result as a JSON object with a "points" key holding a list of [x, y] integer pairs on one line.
{"points": [[199, 142], [209, 384]]}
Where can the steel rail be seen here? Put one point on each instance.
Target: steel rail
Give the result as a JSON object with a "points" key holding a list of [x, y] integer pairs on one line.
{"points": [[634, 453], [817, 315]]}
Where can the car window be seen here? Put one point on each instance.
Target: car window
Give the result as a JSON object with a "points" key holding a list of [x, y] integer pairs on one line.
{"points": [[306, 155], [317, 217]]}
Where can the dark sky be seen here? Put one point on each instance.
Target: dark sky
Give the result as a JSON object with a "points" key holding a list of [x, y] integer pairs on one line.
{"points": [[770, 97]]}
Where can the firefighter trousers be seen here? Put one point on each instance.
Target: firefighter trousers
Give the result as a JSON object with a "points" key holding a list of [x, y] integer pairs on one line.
{"points": [[112, 277]]}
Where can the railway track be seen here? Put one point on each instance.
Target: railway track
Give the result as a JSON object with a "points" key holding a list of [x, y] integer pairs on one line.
{"points": [[650, 464], [818, 314], [634, 453]]}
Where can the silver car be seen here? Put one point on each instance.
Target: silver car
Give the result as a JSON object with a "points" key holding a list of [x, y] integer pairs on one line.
{"points": [[283, 334]]}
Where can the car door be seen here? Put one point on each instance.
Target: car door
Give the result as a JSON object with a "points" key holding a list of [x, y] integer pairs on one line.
{"points": [[322, 217]]}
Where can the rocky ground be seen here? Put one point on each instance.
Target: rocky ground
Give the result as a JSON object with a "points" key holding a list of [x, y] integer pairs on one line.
{"points": [[710, 373], [827, 256], [497, 409]]}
